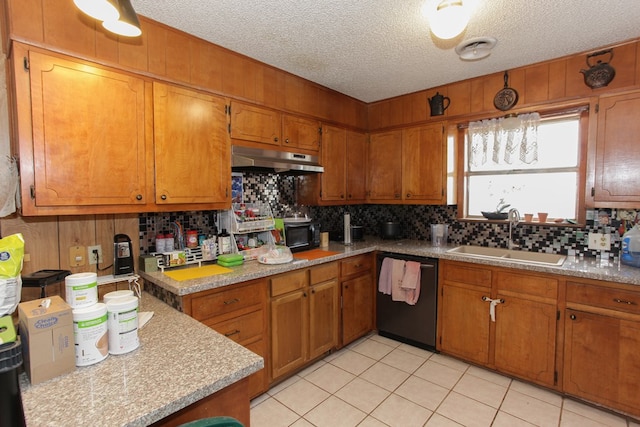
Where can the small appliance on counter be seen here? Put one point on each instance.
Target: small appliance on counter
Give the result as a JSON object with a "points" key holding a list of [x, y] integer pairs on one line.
{"points": [[122, 255], [43, 278], [301, 235]]}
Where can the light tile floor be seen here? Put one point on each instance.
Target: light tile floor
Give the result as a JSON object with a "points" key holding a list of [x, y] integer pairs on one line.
{"points": [[377, 382]]}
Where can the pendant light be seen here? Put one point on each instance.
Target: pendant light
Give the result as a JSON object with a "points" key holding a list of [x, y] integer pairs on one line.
{"points": [[101, 10], [449, 19], [127, 24], [117, 16]]}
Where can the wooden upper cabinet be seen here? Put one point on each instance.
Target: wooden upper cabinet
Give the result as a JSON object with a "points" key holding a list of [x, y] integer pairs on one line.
{"points": [[334, 154], [192, 147], [255, 124], [424, 160], [300, 133], [89, 134], [356, 166], [617, 157], [384, 172]]}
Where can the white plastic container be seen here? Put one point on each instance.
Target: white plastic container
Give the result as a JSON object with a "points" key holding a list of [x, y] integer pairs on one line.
{"points": [[81, 289], [90, 334], [123, 324], [117, 294]]}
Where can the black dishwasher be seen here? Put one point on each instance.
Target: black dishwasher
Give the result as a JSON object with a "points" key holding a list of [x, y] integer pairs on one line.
{"points": [[411, 324]]}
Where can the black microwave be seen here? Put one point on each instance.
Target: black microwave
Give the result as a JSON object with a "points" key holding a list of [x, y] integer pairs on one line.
{"points": [[301, 236]]}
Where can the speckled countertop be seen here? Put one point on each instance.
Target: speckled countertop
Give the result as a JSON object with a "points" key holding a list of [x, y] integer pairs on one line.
{"points": [[587, 268], [169, 371]]}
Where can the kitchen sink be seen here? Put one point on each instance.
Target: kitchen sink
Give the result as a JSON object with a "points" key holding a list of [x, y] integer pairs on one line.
{"points": [[524, 257]]}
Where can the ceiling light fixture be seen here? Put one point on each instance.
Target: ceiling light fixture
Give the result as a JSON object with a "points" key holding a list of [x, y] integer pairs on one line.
{"points": [[117, 16], [449, 19], [476, 48]]}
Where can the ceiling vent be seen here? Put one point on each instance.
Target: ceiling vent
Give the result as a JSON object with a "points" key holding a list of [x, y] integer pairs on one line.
{"points": [[476, 48]]}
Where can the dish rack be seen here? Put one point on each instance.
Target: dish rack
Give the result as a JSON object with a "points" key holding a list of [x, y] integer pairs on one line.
{"points": [[247, 220], [250, 217], [192, 256]]}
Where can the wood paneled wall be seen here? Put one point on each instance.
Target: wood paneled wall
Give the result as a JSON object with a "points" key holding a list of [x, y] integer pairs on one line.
{"points": [[538, 84], [171, 55], [49, 239]]}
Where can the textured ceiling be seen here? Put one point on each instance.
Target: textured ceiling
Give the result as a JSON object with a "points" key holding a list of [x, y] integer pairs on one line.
{"points": [[377, 49]]}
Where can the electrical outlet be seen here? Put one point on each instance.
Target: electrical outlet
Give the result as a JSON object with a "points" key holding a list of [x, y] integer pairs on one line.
{"points": [[92, 256], [76, 256], [599, 241]]}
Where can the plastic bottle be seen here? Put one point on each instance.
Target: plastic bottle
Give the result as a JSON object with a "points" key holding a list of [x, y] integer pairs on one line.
{"points": [[160, 243], [169, 243], [631, 247], [224, 242]]}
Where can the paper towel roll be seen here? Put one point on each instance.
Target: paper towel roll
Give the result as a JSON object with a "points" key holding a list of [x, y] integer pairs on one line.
{"points": [[347, 228]]}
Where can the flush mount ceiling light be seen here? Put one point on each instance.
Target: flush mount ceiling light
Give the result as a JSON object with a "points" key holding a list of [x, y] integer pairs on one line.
{"points": [[476, 48], [449, 19], [117, 16]]}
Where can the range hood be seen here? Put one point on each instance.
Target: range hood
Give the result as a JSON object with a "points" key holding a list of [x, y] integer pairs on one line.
{"points": [[243, 158]]}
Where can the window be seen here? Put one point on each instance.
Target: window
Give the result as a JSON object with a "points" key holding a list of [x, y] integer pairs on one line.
{"points": [[551, 184]]}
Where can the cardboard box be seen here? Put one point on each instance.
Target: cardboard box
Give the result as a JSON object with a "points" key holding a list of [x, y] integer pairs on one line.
{"points": [[47, 338]]}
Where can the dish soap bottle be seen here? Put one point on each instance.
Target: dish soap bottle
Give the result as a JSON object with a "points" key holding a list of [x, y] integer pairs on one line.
{"points": [[631, 247], [224, 242]]}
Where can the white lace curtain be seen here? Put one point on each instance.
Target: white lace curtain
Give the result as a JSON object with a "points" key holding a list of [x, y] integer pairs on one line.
{"points": [[503, 142]]}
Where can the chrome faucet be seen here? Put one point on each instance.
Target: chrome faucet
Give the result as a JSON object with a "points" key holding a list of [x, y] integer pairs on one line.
{"points": [[514, 219]]}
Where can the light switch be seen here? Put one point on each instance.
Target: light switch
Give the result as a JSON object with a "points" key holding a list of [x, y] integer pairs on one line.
{"points": [[77, 256], [600, 241]]}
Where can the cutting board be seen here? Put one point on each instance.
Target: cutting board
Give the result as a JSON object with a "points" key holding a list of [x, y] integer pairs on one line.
{"points": [[197, 273], [314, 254]]}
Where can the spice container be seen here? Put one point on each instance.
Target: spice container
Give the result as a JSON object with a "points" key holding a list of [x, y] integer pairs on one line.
{"points": [[192, 239]]}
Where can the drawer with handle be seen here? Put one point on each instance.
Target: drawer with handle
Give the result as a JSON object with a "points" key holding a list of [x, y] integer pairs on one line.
{"points": [[356, 265], [218, 303], [627, 301], [241, 328]]}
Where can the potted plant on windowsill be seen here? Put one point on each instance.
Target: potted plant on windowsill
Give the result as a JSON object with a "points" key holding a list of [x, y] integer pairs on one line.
{"points": [[499, 213]]}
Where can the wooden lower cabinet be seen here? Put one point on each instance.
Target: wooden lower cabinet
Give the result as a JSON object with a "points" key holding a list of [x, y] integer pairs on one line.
{"points": [[240, 313], [602, 346], [526, 325], [304, 317], [357, 287], [519, 339], [464, 323]]}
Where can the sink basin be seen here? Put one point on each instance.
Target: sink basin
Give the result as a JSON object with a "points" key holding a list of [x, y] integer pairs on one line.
{"points": [[524, 257]]}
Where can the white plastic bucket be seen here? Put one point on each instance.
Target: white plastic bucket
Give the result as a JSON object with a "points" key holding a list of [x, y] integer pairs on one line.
{"points": [[81, 289], [90, 334], [123, 324], [117, 294]]}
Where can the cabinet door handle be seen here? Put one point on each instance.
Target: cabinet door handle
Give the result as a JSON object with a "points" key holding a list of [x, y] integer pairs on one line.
{"points": [[408, 195], [286, 141], [304, 294], [163, 197], [139, 197], [573, 317], [313, 291], [275, 139], [228, 334], [621, 301], [231, 301]]}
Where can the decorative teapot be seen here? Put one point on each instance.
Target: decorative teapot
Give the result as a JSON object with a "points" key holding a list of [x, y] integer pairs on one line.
{"points": [[438, 104], [601, 73]]}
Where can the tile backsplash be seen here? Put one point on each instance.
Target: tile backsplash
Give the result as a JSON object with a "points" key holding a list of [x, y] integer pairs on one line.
{"points": [[278, 191]]}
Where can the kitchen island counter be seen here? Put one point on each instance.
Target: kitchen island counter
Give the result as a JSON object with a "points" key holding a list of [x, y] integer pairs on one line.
{"points": [[179, 362], [586, 268]]}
